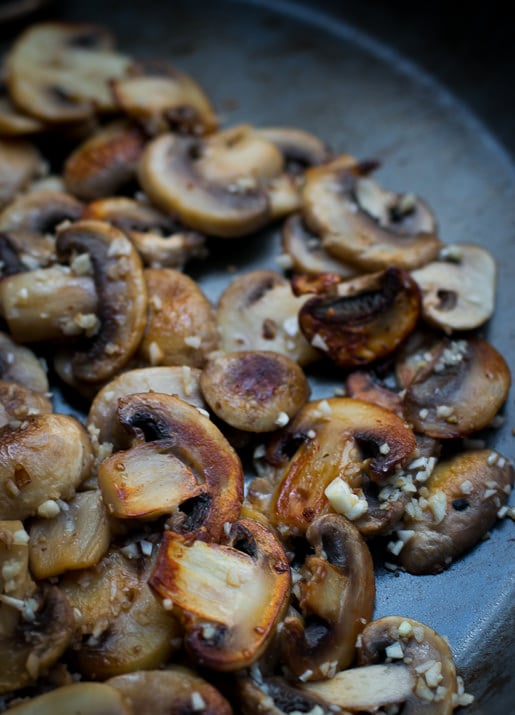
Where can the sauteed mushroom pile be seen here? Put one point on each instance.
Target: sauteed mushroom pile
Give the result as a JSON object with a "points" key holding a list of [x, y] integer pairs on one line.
{"points": [[200, 542]]}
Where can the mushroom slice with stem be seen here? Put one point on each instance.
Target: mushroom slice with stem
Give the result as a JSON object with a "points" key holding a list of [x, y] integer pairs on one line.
{"points": [[361, 320], [105, 162], [229, 184], [15, 579], [162, 98], [173, 691], [363, 385], [258, 311], [255, 391], [59, 72], [455, 508], [210, 466], [428, 656], [458, 289], [160, 240], [18, 402], [335, 595], [20, 162], [40, 212], [13, 122], [19, 364], [300, 149], [42, 461], [363, 224], [181, 322], [327, 455], [84, 698], [458, 389], [230, 596]]}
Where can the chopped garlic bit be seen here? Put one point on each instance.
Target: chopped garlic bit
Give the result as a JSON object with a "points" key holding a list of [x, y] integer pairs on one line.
{"points": [[319, 342], [48, 509], [394, 651], [282, 419], [344, 500], [193, 341], [197, 702]]}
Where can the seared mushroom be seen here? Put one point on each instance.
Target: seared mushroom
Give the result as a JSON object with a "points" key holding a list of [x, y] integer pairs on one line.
{"points": [[84, 698], [363, 224], [40, 212], [427, 655], [455, 508], [42, 461], [335, 596], [363, 386], [18, 402], [202, 471], [258, 311], [20, 162], [162, 98], [363, 319], [229, 596], [458, 290], [458, 388], [106, 162], [255, 391], [59, 72], [174, 691], [228, 184], [181, 324]]}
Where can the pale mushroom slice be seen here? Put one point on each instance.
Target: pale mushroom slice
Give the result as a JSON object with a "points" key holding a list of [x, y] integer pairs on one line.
{"points": [[40, 212], [228, 184], [42, 461], [13, 122], [458, 289], [334, 593], [300, 148], [230, 596], [454, 509], [15, 579], [163, 98], [20, 163], [20, 365], [363, 224], [60, 72], [173, 691], [181, 324], [254, 391], [88, 698], [363, 319], [428, 656], [258, 311], [457, 389], [18, 402]]}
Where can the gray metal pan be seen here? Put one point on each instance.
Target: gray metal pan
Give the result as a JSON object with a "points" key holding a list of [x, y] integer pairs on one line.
{"points": [[287, 63]]}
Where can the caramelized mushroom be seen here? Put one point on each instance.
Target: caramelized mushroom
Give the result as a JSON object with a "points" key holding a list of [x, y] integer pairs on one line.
{"points": [[230, 596], [84, 698], [335, 595], [18, 402], [363, 319], [40, 212], [363, 224]]}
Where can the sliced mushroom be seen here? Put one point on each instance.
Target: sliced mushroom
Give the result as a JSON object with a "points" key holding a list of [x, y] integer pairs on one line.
{"points": [[229, 184], [455, 508], [258, 311], [18, 402], [255, 391], [335, 596], [363, 386], [363, 224], [427, 655], [363, 319], [41, 461], [13, 122], [325, 458], [163, 98], [160, 240], [124, 626], [40, 212], [106, 162], [174, 691], [300, 148], [230, 596], [102, 423], [84, 698], [19, 364], [166, 421], [20, 162], [15, 579], [458, 290], [181, 322], [59, 72], [458, 389]]}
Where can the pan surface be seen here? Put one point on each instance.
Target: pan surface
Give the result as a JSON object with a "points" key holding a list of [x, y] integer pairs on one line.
{"points": [[282, 63]]}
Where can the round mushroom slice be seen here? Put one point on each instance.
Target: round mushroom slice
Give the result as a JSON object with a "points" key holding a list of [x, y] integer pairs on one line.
{"points": [[363, 224], [106, 162], [85, 698], [19, 364], [258, 311], [458, 290], [335, 596], [300, 148], [221, 185], [13, 122], [428, 656], [229, 596], [20, 162], [60, 72], [458, 389], [364, 319], [181, 323], [173, 691], [457, 505], [255, 391]]}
